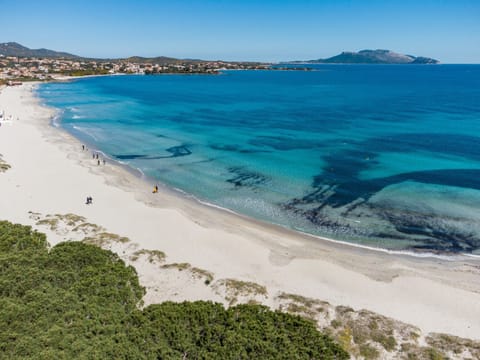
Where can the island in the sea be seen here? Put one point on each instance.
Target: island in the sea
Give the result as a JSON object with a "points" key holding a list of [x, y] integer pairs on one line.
{"points": [[372, 57]]}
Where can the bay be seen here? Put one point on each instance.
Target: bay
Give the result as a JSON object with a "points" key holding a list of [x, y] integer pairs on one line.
{"points": [[379, 155]]}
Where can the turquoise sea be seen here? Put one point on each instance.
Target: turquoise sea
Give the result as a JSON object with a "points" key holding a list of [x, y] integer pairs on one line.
{"points": [[379, 155]]}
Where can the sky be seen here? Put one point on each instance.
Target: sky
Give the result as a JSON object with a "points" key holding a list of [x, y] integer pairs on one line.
{"points": [[269, 30]]}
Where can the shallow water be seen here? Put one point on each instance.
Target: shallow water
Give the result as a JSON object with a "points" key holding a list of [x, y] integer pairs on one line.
{"points": [[385, 156]]}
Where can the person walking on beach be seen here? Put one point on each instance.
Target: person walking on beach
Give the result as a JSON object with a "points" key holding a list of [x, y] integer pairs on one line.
{"points": [[155, 189], [98, 162], [83, 147]]}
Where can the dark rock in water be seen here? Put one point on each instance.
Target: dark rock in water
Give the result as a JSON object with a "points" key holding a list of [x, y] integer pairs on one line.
{"points": [[425, 230], [234, 148], [283, 143], [181, 150], [176, 151], [432, 235], [129, 156], [246, 178], [342, 194], [450, 144], [339, 186]]}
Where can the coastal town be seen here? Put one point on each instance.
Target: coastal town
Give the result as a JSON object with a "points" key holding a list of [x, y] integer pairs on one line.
{"points": [[14, 68]]}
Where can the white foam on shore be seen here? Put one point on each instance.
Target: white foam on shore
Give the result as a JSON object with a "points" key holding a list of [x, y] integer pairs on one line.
{"points": [[56, 119], [85, 131]]}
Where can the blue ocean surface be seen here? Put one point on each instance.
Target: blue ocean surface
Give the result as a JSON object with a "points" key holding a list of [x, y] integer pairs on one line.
{"points": [[380, 155]]}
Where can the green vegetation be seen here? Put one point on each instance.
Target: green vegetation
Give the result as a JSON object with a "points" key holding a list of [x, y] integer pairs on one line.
{"points": [[370, 335], [105, 238], [388, 342], [53, 221], [364, 328], [454, 344], [369, 352], [303, 306], [235, 288], [202, 273], [87, 228], [194, 271], [433, 354], [415, 352], [178, 266], [79, 301], [152, 255], [345, 339]]}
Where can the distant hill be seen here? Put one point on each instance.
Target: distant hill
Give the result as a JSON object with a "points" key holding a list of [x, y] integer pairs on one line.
{"points": [[374, 57], [15, 49], [161, 60]]}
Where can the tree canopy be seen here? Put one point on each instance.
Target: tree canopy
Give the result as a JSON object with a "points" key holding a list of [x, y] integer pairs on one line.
{"points": [[80, 301]]}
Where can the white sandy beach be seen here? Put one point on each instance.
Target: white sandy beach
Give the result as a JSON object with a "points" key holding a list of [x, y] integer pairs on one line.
{"points": [[50, 174]]}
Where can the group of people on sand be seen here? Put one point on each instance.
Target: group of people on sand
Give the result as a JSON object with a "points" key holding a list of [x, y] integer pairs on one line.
{"points": [[95, 155]]}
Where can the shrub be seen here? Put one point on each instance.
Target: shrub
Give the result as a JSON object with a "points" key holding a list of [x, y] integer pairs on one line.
{"points": [[79, 301]]}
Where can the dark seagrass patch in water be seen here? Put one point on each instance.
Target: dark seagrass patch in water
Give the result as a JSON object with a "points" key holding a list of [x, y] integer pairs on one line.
{"points": [[241, 177]]}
